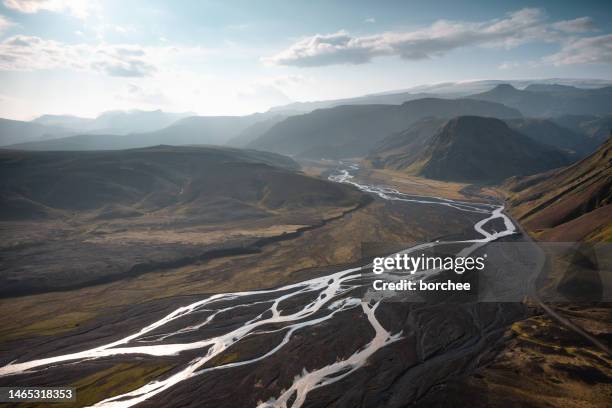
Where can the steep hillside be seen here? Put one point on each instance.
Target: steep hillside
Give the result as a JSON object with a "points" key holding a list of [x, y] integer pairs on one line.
{"points": [[570, 204], [471, 148], [597, 129], [257, 129], [549, 133], [203, 130], [401, 149], [551, 100], [349, 131]]}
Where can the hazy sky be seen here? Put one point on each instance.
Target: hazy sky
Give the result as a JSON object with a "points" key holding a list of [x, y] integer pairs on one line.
{"points": [[237, 57]]}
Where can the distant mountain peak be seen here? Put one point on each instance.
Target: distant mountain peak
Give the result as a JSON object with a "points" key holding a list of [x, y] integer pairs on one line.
{"points": [[505, 86]]}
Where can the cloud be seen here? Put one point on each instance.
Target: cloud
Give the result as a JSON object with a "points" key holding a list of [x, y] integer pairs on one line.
{"points": [[577, 25], [124, 68], [27, 53], [77, 8], [5, 23], [516, 28], [589, 50], [137, 94], [370, 20]]}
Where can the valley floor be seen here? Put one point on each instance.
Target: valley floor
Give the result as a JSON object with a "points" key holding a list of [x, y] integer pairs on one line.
{"points": [[485, 353]]}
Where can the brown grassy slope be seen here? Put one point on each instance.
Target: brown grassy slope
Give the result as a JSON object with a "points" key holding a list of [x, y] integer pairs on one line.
{"points": [[571, 204], [544, 363]]}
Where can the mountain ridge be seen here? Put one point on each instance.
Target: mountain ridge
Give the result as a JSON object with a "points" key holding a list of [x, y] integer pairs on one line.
{"points": [[357, 128], [468, 149], [546, 103]]}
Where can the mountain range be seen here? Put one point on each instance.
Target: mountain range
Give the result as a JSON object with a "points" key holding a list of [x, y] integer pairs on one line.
{"points": [[213, 130], [356, 129], [553, 112], [48, 127], [114, 122], [542, 100], [440, 90], [17, 131]]}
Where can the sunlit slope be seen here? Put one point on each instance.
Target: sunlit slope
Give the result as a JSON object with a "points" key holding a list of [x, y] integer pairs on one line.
{"points": [[569, 204]]}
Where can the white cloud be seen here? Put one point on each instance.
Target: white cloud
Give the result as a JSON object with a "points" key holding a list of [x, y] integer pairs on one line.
{"points": [[516, 28], [28, 53], [140, 95], [77, 8], [5, 23], [577, 25], [370, 20], [589, 50]]}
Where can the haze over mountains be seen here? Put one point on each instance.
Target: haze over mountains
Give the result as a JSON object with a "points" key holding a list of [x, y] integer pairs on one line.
{"points": [[16, 131], [545, 110], [540, 100], [114, 122], [215, 130], [49, 127], [356, 129], [441, 90]]}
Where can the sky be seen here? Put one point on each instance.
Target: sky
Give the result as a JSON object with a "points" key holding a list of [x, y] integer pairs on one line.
{"points": [[230, 57]]}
